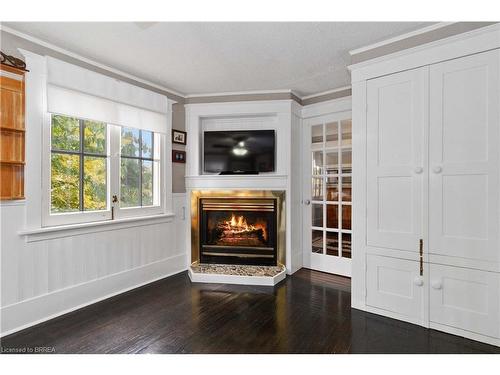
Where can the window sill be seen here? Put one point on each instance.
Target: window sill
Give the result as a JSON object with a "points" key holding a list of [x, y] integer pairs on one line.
{"points": [[13, 202], [41, 234]]}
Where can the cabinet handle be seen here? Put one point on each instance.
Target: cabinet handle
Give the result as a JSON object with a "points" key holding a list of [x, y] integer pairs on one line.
{"points": [[418, 281], [418, 170], [437, 284], [437, 169], [307, 202]]}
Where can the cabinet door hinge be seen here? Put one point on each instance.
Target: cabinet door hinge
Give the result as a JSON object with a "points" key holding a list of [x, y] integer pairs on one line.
{"points": [[421, 251]]}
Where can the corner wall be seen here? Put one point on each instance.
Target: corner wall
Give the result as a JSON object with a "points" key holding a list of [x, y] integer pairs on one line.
{"points": [[43, 279], [178, 169]]}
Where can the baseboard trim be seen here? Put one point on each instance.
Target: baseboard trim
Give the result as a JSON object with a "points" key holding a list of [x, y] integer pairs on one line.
{"points": [[431, 325], [463, 333], [395, 315], [33, 311]]}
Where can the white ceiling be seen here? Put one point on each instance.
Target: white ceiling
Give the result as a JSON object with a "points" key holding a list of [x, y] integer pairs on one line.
{"points": [[198, 58]]}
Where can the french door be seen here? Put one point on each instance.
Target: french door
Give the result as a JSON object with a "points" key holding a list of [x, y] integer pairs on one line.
{"points": [[327, 203]]}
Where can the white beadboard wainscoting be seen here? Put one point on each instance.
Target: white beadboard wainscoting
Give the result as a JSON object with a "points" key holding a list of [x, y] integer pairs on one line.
{"points": [[47, 278]]}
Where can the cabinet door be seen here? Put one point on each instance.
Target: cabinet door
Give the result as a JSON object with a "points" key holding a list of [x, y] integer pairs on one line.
{"points": [[465, 298], [464, 158], [396, 129], [395, 285]]}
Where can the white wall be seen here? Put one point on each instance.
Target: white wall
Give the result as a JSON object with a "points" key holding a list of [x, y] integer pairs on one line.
{"points": [[55, 273], [295, 188], [46, 278]]}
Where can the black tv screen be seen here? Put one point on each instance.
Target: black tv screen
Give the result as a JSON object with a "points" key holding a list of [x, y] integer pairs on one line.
{"points": [[239, 151]]}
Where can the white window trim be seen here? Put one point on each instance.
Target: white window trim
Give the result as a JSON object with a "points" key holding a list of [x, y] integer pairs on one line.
{"points": [[61, 231], [49, 219], [113, 183], [35, 175], [120, 213]]}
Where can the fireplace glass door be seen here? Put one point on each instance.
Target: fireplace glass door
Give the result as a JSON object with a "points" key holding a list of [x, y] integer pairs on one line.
{"points": [[238, 231]]}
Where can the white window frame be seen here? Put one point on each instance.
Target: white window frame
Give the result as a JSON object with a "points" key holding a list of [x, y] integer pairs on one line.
{"points": [[159, 188], [113, 182]]}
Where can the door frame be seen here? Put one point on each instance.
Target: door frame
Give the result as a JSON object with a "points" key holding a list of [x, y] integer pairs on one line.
{"points": [[333, 110]]}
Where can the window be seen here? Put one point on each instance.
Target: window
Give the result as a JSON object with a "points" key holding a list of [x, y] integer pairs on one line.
{"points": [[92, 161], [79, 165], [136, 168]]}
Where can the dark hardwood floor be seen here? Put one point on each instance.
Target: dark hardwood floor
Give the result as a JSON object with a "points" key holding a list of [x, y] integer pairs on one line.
{"points": [[309, 312]]}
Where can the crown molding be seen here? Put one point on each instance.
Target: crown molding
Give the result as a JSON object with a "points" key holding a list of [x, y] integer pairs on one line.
{"points": [[81, 58], [426, 46], [471, 42], [341, 104], [233, 93], [397, 38], [325, 92]]}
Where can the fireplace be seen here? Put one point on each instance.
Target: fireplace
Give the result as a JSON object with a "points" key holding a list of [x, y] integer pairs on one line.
{"points": [[238, 231], [241, 227]]}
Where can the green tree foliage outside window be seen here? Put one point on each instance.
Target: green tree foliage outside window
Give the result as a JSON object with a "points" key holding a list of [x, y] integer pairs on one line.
{"points": [[136, 174], [65, 181], [78, 165]]}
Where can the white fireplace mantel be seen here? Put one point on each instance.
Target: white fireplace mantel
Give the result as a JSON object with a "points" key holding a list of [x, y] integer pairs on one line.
{"points": [[284, 116], [247, 182]]}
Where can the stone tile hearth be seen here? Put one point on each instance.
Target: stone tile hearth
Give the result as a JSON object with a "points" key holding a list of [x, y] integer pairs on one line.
{"points": [[237, 270], [236, 274]]}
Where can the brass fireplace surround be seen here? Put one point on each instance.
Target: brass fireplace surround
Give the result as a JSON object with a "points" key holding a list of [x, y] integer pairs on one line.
{"points": [[278, 195]]}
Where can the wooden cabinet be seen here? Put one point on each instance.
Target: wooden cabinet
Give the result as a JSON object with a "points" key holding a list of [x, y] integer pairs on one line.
{"points": [[431, 172], [12, 131]]}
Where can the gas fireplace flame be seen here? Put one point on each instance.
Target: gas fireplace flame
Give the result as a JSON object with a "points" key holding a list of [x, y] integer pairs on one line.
{"points": [[238, 225]]}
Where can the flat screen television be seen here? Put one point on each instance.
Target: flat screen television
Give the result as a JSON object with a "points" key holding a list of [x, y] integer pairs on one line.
{"points": [[238, 151]]}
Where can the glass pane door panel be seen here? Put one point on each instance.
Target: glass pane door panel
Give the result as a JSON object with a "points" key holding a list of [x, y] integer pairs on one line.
{"points": [[332, 243], [346, 161], [317, 189], [317, 163], [331, 162], [346, 188], [316, 134], [332, 134], [332, 188], [317, 215], [317, 241], [330, 208], [332, 216], [346, 217], [346, 245], [346, 126]]}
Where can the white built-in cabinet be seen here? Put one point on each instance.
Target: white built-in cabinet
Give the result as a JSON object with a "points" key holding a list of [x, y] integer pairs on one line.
{"points": [[464, 158], [396, 119], [427, 193]]}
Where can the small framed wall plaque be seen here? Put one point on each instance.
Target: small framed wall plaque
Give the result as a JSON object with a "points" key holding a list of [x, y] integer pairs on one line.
{"points": [[178, 136], [178, 156]]}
